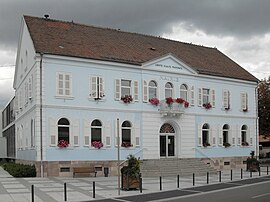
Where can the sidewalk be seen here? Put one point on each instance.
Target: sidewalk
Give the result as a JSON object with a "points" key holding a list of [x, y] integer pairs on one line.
{"points": [[80, 189]]}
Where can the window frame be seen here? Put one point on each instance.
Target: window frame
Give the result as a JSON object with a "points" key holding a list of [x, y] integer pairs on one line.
{"points": [[64, 88], [96, 127], [184, 91], [130, 132], [170, 89], [63, 126], [154, 88], [205, 141]]}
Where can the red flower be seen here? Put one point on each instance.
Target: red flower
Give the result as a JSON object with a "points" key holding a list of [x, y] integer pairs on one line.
{"points": [[180, 100], [97, 144], [126, 144], [169, 100], [127, 99], [186, 104], [62, 144], [207, 105], [154, 101]]}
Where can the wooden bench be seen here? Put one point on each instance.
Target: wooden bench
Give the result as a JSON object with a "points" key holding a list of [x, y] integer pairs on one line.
{"points": [[84, 170]]}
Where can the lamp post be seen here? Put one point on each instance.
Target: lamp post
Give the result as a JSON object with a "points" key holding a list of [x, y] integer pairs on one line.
{"points": [[118, 155]]}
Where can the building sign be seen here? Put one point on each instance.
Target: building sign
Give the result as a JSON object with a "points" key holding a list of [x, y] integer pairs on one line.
{"points": [[168, 66]]}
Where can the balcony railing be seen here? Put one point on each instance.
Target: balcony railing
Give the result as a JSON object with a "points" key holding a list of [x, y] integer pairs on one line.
{"points": [[174, 109]]}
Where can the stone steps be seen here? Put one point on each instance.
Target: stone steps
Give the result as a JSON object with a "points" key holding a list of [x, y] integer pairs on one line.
{"points": [[173, 167]]}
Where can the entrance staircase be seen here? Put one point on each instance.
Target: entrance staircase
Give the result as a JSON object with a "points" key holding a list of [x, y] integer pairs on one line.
{"points": [[174, 167]]}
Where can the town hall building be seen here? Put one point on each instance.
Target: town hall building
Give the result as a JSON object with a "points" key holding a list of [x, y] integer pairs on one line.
{"points": [[76, 85]]}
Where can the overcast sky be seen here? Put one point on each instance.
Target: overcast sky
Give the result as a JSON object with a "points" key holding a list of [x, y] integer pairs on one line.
{"points": [[238, 28]]}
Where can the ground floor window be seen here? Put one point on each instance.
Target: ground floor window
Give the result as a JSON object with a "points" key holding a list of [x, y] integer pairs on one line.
{"points": [[63, 130], [126, 134], [205, 135]]}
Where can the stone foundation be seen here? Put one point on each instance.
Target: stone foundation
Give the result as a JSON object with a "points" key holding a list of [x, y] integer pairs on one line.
{"points": [[227, 163]]}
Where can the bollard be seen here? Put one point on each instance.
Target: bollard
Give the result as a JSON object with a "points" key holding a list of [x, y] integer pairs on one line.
{"points": [[33, 194], [267, 170], [259, 171], [160, 183], [140, 183], [94, 189], [178, 181], [65, 191], [241, 173], [250, 173], [220, 176], [231, 175], [193, 179], [207, 177]]}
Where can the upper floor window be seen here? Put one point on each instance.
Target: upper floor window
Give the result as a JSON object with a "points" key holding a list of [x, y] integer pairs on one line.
{"points": [[63, 130], [206, 95], [124, 87], [168, 90], [96, 131], [184, 92], [64, 82], [244, 101], [152, 89], [96, 87]]}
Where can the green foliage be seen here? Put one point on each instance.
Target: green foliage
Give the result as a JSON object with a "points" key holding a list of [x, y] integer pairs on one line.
{"points": [[133, 167], [264, 107], [20, 170]]}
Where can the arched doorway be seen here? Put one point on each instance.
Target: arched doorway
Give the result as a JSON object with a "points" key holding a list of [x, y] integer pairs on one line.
{"points": [[167, 140]]}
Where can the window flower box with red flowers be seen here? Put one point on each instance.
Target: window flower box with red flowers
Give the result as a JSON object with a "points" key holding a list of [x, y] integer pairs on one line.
{"points": [[127, 99], [206, 144], [126, 144], [154, 101], [62, 144], [245, 144], [186, 104], [180, 100], [169, 101], [97, 144], [207, 105]]}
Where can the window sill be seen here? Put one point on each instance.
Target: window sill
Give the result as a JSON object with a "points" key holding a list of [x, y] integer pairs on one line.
{"points": [[64, 97], [96, 100]]}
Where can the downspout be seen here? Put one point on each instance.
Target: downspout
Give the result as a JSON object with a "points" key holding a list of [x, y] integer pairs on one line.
{"points": [[40, 110], [257, 121]]}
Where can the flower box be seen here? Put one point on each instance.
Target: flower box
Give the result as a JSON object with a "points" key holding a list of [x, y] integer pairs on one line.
{"points": [[126, 144], [207, 105], [127, 99], [154, 101], [62, 144], [97, 144]]}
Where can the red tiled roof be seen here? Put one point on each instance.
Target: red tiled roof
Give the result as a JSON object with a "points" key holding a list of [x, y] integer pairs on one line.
{"points": [[77, 40]]}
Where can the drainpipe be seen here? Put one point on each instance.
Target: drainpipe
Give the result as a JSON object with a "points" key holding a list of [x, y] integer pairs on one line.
{"points": [[40, 110], [257, 121]]}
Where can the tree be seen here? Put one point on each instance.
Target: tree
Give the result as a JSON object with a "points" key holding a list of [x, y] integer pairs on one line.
{"points": [[264, 106]]}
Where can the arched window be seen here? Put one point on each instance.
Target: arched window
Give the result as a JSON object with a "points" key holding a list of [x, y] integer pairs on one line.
{"points": [[152, 89], [225, 130], [184, 92], [205, 135], [126, 134], [244, 135], [166, 128], [63, 130], [96, 131], [168, 90]]}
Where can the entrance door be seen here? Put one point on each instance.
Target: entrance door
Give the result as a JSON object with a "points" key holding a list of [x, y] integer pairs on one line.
{"points": [[167, 145], [167, 141]]}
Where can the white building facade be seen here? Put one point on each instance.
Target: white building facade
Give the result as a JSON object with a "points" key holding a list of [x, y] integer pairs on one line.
{"points": [[166, 106]]}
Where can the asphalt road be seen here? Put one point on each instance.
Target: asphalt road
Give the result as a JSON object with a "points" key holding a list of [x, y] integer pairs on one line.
{"points": [[259, 192]]}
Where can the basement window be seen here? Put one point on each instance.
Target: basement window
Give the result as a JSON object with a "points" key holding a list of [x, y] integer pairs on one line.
{"points": [[65, 169], [226, 163]]}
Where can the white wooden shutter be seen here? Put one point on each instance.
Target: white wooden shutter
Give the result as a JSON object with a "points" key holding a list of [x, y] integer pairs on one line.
{"points": [[238, 135], [108, 134], [115, 134], [86, 133], [199, 97], [250, 133], [225, 98], [117, 89], [191, 96], [53, 132], [60, 84], [199, 136], [210, 141], [145, 91], [214, 134], [30, 88], [220, 135], [213, 98], [75, 133], [136, 91], [137, 134], [67, 84], [233, 134], [94, 86], [101, 87], [243, 97]]}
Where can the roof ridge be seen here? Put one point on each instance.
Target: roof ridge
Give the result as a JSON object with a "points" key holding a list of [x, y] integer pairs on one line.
{"points": [[123, 31]]}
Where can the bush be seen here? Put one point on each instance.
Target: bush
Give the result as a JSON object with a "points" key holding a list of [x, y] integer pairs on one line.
{"points": [[20, 170]]}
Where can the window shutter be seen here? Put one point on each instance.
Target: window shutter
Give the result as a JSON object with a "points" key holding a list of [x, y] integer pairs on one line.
{"points": [[67, 84], [53, 132], [108, 134], [191, 96], [243, 101], [213, 98], [199, 97], [93, 87], [145, 91], [116, 144], [213, 134], [75, 133], [199, 136], [136, 91], [220, 135], [137, 134], [225, 99], [249, 135], [238, 135], [30, 88], [117, 89], [101, 87], [60, 84], [86, 134]]}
